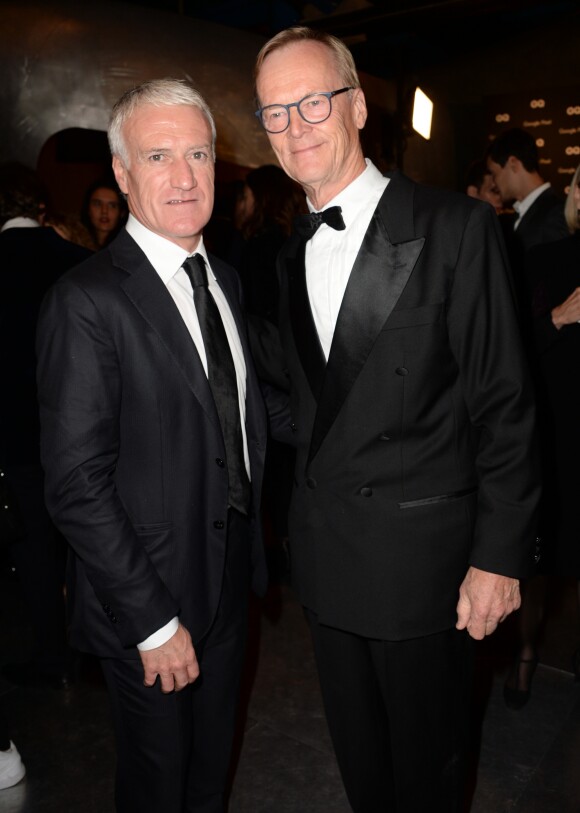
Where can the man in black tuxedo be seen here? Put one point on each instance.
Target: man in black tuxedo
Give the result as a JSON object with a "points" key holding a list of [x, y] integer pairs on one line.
{"points": [[153, 455], [412, 516], [32, 258], [513, 160]]}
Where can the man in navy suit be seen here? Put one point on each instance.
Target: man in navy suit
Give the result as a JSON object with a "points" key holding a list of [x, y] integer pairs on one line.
{"points": [[412, 516], [154, 467]]}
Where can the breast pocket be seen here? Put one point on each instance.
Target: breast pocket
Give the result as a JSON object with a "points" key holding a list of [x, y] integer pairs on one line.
{"points": [[414, 317]]}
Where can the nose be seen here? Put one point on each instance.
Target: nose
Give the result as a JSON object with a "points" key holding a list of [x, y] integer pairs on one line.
{"points": [[297, 124], [183, 176]]}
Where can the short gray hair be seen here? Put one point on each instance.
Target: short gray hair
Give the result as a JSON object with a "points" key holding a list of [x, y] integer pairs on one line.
{"points": [[158, 93]]}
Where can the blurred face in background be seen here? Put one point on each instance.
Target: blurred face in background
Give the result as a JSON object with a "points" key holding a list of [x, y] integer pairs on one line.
{"points": [[245, 206], [488, 191], [104, 212]]}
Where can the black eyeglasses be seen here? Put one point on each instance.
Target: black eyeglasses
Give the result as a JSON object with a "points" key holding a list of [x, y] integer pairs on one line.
{"points": [[314, 109]]}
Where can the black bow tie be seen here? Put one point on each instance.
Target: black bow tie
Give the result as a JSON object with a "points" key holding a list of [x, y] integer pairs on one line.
{"points": [[307, 225]]}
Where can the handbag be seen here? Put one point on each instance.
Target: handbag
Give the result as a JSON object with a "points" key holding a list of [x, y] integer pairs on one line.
{"points": [[11, 525]]}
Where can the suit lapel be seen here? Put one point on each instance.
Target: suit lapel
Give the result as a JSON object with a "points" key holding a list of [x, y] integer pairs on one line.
{"points": [[379, 275], [150, 297], [304, 330]]}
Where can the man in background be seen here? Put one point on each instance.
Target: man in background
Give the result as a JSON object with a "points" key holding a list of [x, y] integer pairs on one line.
{"points": [[513, 160], [479, 184], [32, 258]]}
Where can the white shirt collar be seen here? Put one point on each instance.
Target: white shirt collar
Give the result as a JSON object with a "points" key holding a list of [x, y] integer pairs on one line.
{"points": [[354, 196], [165, 257], [20, 223], [522, 206]]}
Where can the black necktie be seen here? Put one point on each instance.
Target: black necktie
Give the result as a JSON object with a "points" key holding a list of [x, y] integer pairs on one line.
{"points": [[307, 225], [221, 375]]}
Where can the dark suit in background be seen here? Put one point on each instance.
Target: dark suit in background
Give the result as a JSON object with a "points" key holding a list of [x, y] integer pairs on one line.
{"points": [[31, 260]]}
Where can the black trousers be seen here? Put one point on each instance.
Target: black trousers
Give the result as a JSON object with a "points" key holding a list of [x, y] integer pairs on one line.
{"points": [[398, 717], [173, 750]]}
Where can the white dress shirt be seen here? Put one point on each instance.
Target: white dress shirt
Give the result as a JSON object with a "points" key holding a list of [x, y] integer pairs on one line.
{"points": [[167, 259], [522, 206], [330, 254]]}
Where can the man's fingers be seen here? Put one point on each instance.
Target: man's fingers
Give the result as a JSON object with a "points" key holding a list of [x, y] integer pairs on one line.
{"points": [[167, 682]]}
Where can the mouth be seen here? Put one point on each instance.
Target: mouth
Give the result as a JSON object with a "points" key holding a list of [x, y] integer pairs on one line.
{"points": [[178, 202]]}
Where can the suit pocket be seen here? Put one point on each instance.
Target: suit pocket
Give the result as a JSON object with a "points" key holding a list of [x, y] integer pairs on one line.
{"points": [[454, 495], [155, 537], [414, 317], [152, 528]]}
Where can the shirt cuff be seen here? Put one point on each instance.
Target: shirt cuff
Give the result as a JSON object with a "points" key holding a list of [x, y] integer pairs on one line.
{"points": [[160, 636]]}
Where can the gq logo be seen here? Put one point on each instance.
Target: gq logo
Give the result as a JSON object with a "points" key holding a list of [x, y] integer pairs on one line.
{"points": [[572, 150], [573, 110], [537, 103], [501, 117]]}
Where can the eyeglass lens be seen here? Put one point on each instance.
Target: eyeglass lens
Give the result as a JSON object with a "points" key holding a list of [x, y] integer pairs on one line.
{"points": [[313, 109]]}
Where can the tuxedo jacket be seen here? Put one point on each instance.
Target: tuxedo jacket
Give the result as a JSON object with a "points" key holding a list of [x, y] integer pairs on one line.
{"points": [[415, 449], [543, 222], [133, 452]]}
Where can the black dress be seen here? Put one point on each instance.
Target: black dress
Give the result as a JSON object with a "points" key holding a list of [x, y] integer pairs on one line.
{"points": [[554, 273]]}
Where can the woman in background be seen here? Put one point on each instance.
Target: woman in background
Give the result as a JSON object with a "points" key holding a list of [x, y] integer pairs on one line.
{"points": [[103, 212]]}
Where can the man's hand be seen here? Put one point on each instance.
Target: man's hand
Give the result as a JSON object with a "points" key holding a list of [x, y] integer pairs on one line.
{"points": [[485, 600], [174, 662], [567, 312]]}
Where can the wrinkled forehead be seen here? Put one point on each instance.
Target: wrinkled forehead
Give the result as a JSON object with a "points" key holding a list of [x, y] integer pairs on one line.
{"points": [[297, 68]]}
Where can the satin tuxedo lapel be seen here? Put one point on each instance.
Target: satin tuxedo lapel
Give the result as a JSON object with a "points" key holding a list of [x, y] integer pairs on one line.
{"points": [[148, 294], [381, 271], [303, 328]]}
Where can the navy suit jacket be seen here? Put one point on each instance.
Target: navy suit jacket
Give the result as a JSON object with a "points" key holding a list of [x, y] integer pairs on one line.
{"points": [[132, 450]]}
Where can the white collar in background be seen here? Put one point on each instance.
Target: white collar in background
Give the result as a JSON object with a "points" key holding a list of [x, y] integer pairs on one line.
{"points": [[522, 206], [20, 223]]}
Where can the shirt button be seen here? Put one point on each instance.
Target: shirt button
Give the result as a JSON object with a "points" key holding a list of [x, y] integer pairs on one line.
{"points": [[220, 462], [366, 492], [311, 482], [219, 524], [402, 371], [384, 437]]}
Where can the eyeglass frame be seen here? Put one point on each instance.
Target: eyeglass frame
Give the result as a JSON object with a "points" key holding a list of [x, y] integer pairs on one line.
{"points": [[330, 94]]}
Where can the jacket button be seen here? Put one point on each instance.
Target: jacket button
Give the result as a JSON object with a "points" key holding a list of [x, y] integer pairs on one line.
{"points": [[366, 492], [219, 524], [293, 427], [113, 618], [220, 462], [311, 482], [402, 371], [384, 437], [106, 608]]}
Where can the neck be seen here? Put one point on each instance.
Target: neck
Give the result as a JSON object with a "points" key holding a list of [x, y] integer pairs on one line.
{"points": [[531, 182], [320, 194]]}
